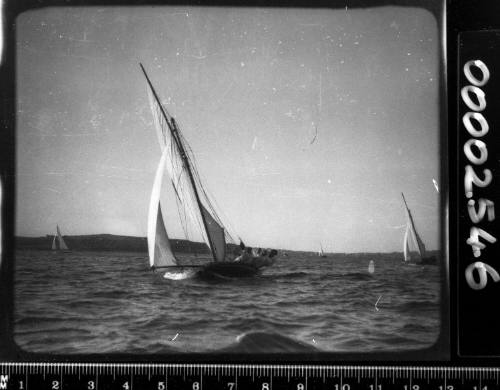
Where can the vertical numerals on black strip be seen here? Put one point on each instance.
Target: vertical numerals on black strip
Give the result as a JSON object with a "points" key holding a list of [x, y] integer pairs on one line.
{"points": [[478, 153], [477, 75]]}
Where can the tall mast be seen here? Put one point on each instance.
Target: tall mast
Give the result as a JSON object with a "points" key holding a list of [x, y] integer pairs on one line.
{"points": [[404, 200], [172, 126]]}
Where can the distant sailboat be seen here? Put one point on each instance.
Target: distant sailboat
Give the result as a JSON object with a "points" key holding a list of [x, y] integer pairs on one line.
{"points": [[413, 247], [196, 212], [58, 241], [371, 267], [321, 252]]}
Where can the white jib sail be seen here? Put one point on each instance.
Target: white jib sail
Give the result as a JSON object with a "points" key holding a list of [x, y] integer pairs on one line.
{"points": [[205, 224], [54, 245], [413, 245], [160, 251], [406, 247], [62, 244]]}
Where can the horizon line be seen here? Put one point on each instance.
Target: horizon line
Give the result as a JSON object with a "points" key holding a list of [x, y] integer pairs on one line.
{"points": [[200, 242]]}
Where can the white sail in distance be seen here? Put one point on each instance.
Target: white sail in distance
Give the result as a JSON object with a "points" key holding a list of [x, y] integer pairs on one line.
{"points": [[160, 251], [58, 241], [321, 252], [406, 248], [186, 184], [412, 243]]}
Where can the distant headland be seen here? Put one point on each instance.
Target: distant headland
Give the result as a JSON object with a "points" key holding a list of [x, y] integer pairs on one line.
{"points": [[115, 243]]}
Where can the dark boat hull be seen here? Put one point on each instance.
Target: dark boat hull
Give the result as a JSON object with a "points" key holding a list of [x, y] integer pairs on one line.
{"points": [[229, 269]]}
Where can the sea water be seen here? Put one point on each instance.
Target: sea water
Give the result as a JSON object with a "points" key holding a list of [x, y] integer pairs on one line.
{"points": [[87, 302]]}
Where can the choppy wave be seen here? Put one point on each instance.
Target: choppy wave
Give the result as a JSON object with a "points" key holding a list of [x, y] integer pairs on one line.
{"points": [[262, 342], [106, 302]]}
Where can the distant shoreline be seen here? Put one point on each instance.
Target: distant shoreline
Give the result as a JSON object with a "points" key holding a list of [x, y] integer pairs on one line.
{"points": [[116, 243]]}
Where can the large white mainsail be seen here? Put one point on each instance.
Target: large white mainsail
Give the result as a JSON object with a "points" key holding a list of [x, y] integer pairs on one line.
{"points": [[160, 251], [187, 186], [412, 244]]}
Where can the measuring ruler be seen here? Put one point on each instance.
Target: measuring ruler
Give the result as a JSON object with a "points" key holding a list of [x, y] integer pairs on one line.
{"points": [[90, 376]]}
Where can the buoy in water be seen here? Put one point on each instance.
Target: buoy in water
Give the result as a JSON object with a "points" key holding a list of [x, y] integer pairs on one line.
{"points": [[371, 267]]}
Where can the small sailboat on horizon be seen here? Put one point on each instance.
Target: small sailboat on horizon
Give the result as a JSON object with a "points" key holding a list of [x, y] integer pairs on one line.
{"points": [[413, 248], [197, 215], [321, 252], [58, 243]]}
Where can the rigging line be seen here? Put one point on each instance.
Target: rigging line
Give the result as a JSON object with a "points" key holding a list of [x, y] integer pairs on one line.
{"points": [[175, 135], [227, 222], [183, 219], [209, 198], [185, 166], [170, 122], [185, 157], [216, 210]]}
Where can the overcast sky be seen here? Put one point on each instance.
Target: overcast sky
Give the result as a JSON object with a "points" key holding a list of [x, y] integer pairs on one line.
{"points": [[306, 124]]}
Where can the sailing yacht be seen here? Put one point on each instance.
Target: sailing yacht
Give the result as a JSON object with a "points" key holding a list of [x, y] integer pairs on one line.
{"points": [[197, 215], [321, 252], [58, 243], [413, 247]]}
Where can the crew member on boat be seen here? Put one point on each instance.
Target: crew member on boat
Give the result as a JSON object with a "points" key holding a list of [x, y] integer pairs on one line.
{"points": [[257, 258]]}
